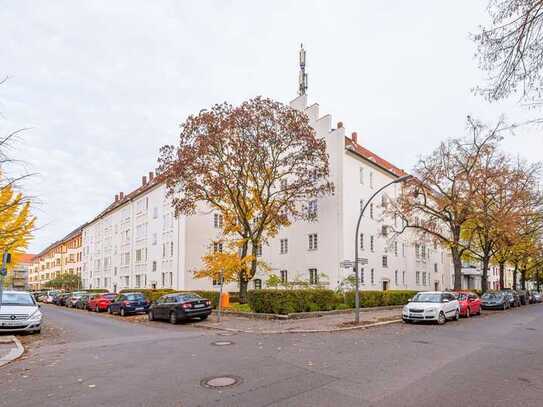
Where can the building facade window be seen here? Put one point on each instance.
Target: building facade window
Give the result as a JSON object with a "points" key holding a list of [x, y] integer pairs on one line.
{"points": [[284, 246], [312, 209], [361, 241], [372, 276], [417, 277], [424, 278], [385, 261], [396, 278], [154, 266], [362, 275], [372, 244], [371, 179], [313, 276], [217, 247], [371, 210], [435, 267], [396, 249], [313, 241], [284, 276], [403, 277], [258, 284], [217, 220], [361, 176]]}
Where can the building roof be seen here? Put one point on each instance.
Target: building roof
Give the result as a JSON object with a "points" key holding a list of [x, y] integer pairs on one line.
{"points": [[157, 180], [374, 158], [69, 236], [26, 257]]}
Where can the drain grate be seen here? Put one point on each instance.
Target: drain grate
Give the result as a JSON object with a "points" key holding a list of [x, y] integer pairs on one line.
{"points": [[220, 382], [222, 343], [531, 329], [422, 342]]}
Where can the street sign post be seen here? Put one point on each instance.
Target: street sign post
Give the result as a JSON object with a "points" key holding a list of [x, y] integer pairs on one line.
{"points": [[6, 259]]}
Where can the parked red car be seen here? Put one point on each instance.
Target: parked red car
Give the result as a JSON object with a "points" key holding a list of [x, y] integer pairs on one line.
{"points": [[100, 302], [470, 303]]}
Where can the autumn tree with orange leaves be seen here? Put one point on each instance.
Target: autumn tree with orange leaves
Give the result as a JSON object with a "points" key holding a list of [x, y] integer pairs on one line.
{"points": [[439, 201], [258, 164]]}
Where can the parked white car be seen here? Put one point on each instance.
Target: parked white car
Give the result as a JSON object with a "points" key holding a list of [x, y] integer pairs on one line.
{"points": [[432, 306], [19, 312]]}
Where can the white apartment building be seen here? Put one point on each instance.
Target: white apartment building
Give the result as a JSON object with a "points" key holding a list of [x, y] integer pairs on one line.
{"points": [[137, 242]]}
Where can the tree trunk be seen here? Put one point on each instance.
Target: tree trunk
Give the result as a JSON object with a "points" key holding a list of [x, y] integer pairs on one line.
{"points": [[457, 262], [243, 281], [537, 281], [515, 271], [502, 275], [523, 279], [243, 284], [484, 277]]}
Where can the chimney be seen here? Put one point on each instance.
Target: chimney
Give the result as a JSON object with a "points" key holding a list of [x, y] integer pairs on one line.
{"points": [[151, 175], [143, 181], [339, 125], [354, 137], [121, 195], [116, 197]]}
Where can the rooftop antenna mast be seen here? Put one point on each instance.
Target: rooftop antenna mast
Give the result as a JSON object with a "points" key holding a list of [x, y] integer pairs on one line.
{"points": [[302, 80]]}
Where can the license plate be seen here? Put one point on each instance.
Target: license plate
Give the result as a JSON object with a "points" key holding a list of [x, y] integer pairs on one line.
{"points": [[11, 323], [199, 305], [139, 309]]}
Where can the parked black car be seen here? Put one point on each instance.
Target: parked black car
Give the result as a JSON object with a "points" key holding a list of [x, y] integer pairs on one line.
{"points": [[514, 299], [60, 299], [179, 307], [523, 297], [83, 301], [535, 297], [128, 303], [495, 300]]}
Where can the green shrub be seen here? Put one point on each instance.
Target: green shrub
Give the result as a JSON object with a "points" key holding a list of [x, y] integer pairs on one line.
{"points": [[342, 306], [380, 298], [234, 296], [97, 290], [290, 301]]}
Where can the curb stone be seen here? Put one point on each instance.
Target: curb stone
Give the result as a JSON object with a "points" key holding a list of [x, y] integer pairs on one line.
{"points": [[13, 353], [297, 331]]}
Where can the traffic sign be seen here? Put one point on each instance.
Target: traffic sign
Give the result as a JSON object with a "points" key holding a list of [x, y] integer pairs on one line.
{"points": [[347, 264]]}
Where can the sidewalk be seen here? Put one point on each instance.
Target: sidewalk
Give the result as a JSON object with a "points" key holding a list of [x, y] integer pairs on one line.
{"points": [[328, 323], [10, 349]]}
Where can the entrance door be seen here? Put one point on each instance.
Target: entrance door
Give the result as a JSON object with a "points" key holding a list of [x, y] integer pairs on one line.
{"points": [[385, 285], [436, 286]]}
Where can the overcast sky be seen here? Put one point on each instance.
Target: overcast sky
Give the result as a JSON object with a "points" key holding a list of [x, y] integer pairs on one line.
{"points": [[104, 84]]}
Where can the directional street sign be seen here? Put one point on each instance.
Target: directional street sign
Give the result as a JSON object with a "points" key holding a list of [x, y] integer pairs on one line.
{"points": [[347, 264]]}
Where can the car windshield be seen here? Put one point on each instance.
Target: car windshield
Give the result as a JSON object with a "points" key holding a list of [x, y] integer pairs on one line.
{"points": [[461, 296], [109, 296], [134, 297], [188, 297], [491, 296], [17, 299], [427, 297]]}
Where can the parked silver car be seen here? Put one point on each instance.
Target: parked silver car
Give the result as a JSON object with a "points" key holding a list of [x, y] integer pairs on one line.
{"points": [[19, 312], [432, 306]]}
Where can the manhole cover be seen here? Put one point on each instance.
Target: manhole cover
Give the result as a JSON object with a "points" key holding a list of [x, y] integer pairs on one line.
{"points": [[220, 382], [422, 342], [222, 343], [531, 329]]}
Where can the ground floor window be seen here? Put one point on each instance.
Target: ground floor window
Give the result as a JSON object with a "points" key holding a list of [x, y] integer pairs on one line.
{"points": [[313, 276], [417, 277], [372, 276], [284, 276], [258, 284]]}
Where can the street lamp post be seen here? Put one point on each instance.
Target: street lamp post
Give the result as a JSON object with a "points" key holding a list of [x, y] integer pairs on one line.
{"points": [[357, 284]]}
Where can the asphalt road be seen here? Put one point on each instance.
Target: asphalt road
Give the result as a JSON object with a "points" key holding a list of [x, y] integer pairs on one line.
{"points": [[83, 359]]}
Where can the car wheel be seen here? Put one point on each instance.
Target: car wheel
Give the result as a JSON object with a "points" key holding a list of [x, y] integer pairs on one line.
{"points": [[468, 312], [150, 316], [173, 318], [37, 331], [407, 321], [204, 317], [441, 319], [457, 315], [122, 313]]}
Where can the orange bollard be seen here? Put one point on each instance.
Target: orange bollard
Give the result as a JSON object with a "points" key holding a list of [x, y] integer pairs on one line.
{"points": [[225, 300]]}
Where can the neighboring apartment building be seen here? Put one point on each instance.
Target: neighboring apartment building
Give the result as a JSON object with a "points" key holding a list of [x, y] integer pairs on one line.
{"points": [[19, 275], [63, 256], [138, 243]]}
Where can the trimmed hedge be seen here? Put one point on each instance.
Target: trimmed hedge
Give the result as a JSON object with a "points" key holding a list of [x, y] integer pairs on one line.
{"points": [[380, 298], [309, 299], [153, 295], [290, 301], [97, 290]]}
